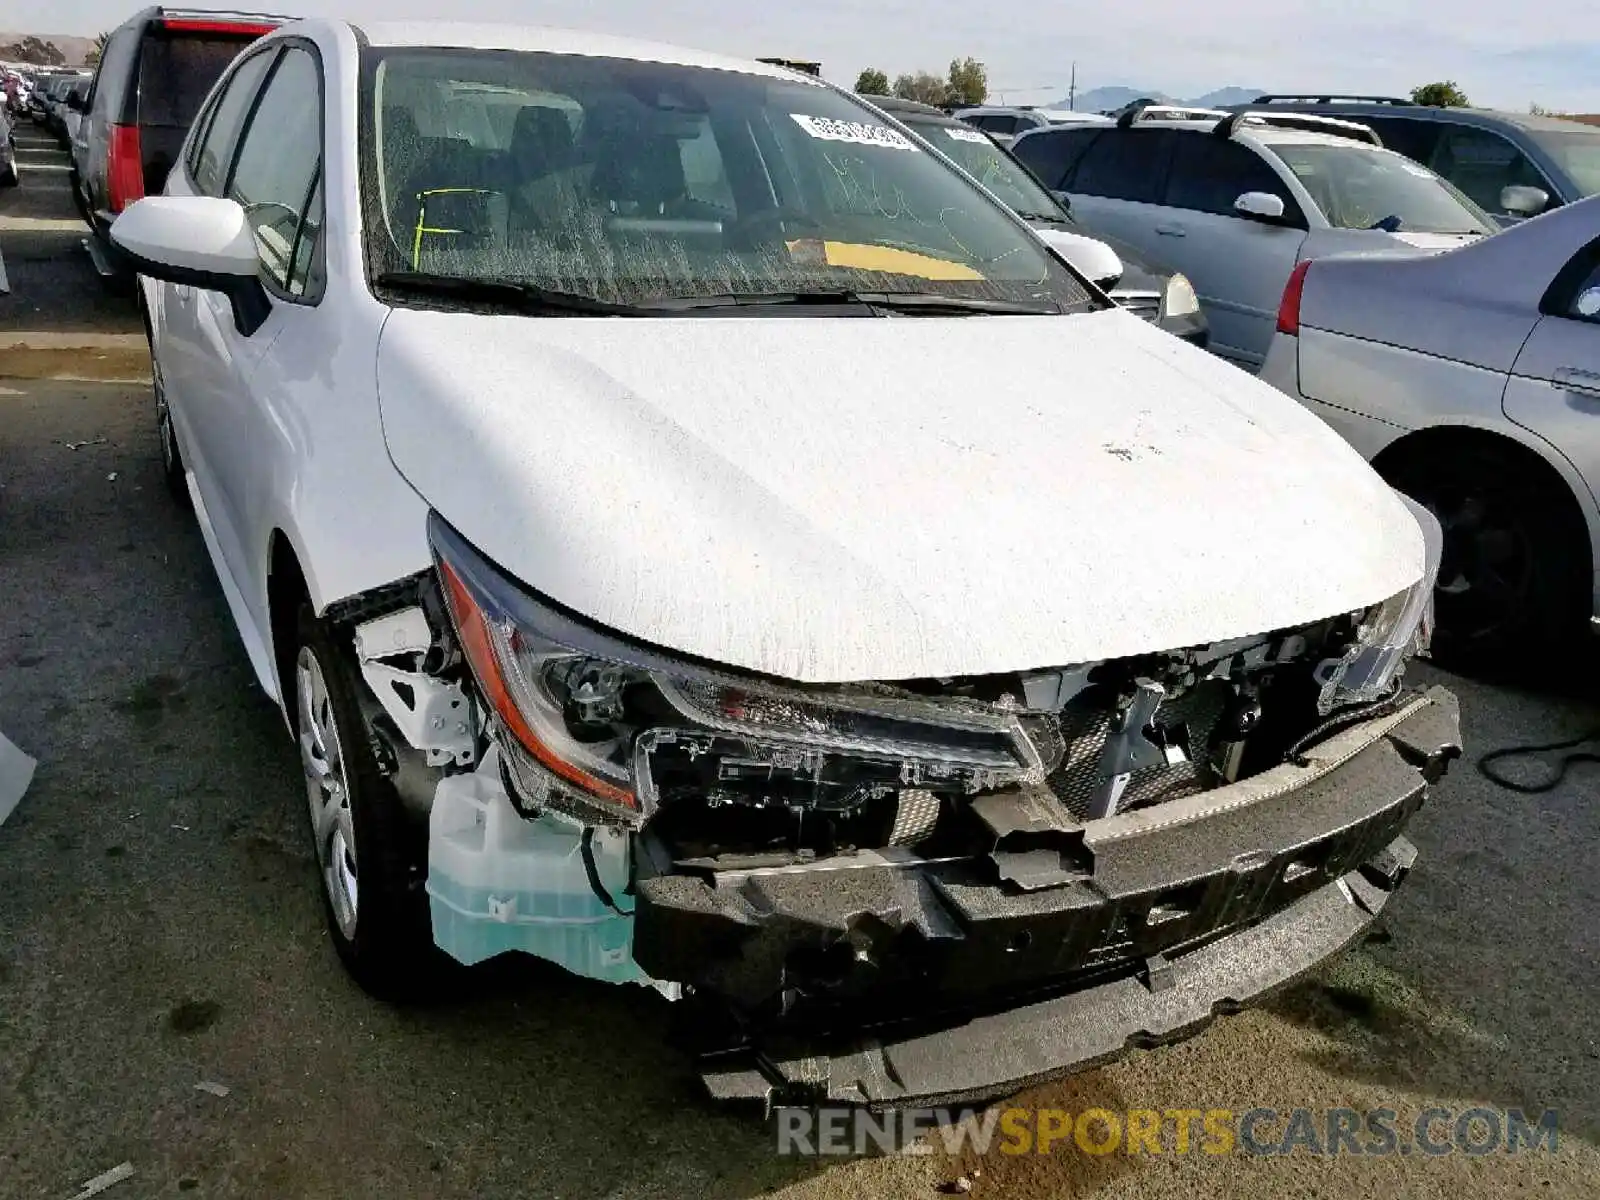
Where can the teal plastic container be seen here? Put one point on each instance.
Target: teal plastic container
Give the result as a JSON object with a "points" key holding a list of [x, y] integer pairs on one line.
{"points": [[498, 883]]}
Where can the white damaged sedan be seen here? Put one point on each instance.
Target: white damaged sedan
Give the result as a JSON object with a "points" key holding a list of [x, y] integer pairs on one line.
{"points": [[700, 538]]}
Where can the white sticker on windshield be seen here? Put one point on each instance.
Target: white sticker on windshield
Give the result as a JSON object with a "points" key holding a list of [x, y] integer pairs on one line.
{"points": [[859, 132], [967, 135]]}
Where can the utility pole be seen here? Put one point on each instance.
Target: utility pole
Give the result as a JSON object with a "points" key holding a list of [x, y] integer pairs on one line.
{"points": [[1072, 90]]}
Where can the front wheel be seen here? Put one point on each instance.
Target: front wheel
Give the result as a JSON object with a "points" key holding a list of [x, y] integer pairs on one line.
{"points": [[371, 859], [172, 469], [1514, 580]]}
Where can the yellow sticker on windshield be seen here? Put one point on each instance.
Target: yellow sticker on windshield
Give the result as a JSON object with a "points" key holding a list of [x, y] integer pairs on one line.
{"points": [[890, 259]]}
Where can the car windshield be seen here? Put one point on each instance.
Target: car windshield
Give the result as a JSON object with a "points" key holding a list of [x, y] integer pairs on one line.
{"points": [[1578, 154], [1361, 187], [629, 181], [989, 165]]}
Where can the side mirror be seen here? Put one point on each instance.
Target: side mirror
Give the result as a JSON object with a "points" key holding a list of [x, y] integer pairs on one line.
{"points": [[1063, 199], [75, 101], [1092, 259], [1522, 200], [1262, 206], [197, 241]]}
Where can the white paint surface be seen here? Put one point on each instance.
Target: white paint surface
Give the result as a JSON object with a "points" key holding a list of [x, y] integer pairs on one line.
{"points": [[192, 233], [832, 499]]}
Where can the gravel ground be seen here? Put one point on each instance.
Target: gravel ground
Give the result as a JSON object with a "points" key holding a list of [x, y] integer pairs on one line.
{"points": [[159, 927]]}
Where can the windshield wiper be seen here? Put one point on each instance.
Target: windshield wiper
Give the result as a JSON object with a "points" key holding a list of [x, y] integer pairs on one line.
{"points": [[899, 302], [934, 302], [525, 297]]}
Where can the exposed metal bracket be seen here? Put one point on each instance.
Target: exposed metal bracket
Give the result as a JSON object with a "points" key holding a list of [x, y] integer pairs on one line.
{"points": [[1129, 748], [431, 714]]}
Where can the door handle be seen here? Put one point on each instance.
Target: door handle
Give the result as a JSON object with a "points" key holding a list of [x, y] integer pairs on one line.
{"points": [[1172, 230], [1576, 379]]}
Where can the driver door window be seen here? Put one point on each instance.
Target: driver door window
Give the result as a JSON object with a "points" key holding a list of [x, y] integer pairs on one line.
{"points": [[276, 174], [1482, 164]]}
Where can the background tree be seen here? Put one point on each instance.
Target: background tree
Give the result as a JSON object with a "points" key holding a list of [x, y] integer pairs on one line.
{"points": [[93, 57], [872, 82], [1440, 95], [34, 50], [968, 82], [923, 86]]}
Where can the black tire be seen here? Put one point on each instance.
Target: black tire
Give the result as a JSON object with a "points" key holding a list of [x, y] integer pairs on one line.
{"points": [[1514, 585], [172, 469], [386, 938], [78, 202]]}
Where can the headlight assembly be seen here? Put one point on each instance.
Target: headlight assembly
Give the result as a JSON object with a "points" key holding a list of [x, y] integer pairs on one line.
{"points": [[1178, 298], [600, 728], [1389, 633]]}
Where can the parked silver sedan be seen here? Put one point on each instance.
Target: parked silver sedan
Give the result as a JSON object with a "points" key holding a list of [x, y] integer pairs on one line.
{"points": [[1471, 380]]}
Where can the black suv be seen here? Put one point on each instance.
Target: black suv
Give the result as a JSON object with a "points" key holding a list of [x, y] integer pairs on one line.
{"points": [[155, 71]]}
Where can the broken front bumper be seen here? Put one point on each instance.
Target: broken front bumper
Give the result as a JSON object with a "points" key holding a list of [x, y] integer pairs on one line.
{"points": [[889, 981]]}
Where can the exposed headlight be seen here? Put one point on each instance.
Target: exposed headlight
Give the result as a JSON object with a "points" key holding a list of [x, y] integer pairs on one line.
{"points": [[1178, 299], [591, 724], [1389, 634]]}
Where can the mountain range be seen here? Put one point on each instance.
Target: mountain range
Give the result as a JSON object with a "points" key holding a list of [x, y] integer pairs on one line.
{"points": [[1103, 99], [73, 49]]}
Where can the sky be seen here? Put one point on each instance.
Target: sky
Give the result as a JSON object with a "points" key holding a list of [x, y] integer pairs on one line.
{"points": [[1546, 52]]}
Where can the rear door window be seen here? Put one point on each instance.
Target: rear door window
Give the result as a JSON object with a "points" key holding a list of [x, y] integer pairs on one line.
{"points": [[1001, 123], [1052, 155], [213, 151], [1414, 139], [1125, 164], [1209, 174]]}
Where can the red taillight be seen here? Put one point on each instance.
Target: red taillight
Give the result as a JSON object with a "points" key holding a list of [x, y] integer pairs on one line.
{"points": [[124, 167], [1289, 307], [198, 25]]}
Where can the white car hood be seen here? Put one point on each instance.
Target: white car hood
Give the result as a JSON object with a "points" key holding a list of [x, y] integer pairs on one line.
{"points": [[831, 499]]}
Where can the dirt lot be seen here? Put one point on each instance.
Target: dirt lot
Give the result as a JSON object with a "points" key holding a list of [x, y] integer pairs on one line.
{"points": [[159, 927]]}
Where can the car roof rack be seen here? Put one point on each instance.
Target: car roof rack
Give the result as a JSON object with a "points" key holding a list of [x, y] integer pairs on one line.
{"points": [[1308, 122], [1328, 98], [1166, 112]]}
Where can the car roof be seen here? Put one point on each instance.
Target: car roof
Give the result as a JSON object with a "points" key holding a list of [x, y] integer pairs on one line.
{"points": [[549, 40], [1263, 134], [1068, 116], [1487, 117]]}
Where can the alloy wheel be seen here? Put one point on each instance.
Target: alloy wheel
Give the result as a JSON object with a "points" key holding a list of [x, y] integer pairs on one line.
{"points": [[327, 791], [1486, 569]]}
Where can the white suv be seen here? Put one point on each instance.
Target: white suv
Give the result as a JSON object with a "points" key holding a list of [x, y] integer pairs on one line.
{"points": [[1004, 124], [1234, 201]]}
